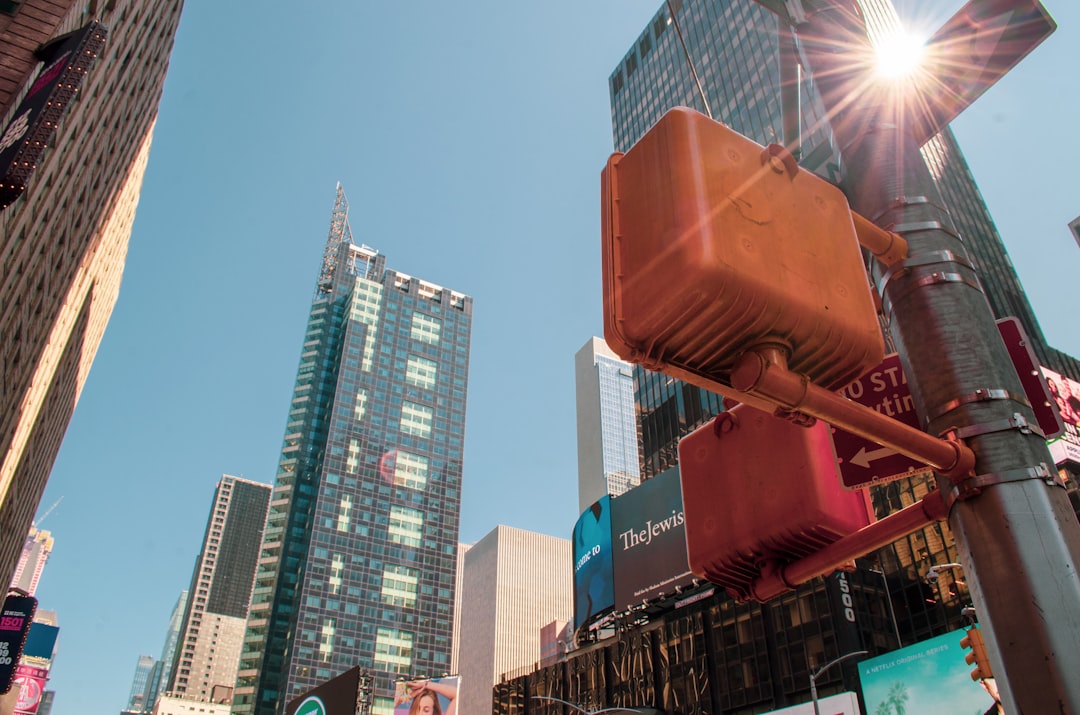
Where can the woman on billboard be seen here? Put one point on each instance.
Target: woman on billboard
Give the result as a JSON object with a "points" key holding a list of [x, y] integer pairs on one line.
{"points": [[427, 697]]}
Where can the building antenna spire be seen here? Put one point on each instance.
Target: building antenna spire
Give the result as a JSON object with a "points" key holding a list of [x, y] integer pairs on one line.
{"points": [[339, 233]]}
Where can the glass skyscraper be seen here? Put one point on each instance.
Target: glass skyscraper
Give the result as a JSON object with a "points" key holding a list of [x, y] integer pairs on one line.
{"points": [[606, 423], [359, 554]]}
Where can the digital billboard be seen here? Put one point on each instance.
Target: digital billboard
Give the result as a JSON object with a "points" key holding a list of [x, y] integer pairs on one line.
{"points": [[15, 620], [334, 697], [1066, 394], [929, 678], [437, 696], [594, 589], [25, 138], [649, 541]]}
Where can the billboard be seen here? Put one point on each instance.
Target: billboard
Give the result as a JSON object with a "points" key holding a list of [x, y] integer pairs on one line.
{"points": [[27, 135], [433, 696], [31, 684], [929, 678], [15, 620], [1065, 392], [593, 582], [334, 697], [649, 541]]}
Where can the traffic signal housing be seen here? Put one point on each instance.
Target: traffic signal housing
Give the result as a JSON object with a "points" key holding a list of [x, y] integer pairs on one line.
{"points": [[713, 245], [977, 657], [758, 489]]}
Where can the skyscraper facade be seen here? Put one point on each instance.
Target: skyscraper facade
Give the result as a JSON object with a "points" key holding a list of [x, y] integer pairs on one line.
{"points": [[64, 240], [138, 684], [35, 554], [734, 48], [515, 582], [606, 427], [208, 648], [359, 556]]}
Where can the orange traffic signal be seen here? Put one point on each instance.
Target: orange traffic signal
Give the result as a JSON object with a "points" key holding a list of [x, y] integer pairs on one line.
{"points": [[714, 245], [977, 656]]}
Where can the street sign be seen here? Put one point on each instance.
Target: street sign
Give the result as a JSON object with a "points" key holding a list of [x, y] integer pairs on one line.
{"points": [[861, 461], [1031, 377], [973, 50]]}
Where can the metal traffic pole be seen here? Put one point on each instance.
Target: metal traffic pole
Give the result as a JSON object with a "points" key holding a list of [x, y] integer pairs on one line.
{"points": [[1018, 537]]}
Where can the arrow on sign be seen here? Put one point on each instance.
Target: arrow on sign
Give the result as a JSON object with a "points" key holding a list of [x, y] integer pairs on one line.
{"points": [[863, 458]]}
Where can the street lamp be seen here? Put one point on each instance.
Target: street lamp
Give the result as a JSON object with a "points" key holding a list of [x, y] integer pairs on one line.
{"points": [[933, 571], [822, 669]]}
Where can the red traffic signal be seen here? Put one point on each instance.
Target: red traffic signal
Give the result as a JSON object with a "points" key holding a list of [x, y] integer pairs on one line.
{"points": [[713, 245], [758, 489], [977, 656]]}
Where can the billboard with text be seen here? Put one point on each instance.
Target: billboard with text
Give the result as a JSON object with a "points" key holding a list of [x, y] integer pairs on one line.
{"points": [[649, 541], [593, 583]]}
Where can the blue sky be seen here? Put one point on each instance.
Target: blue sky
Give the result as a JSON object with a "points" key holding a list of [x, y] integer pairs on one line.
{"points": [[469, 139]]}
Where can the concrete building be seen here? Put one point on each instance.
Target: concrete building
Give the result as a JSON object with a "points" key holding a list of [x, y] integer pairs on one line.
{"points": [[65, 227], [607, 442], [211, 636], [515, 583]]}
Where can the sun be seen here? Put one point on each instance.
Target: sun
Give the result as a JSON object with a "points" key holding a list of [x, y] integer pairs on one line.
{"points": [[900, 55]]}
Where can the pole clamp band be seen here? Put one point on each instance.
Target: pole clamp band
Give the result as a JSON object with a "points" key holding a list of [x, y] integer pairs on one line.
{"points": [[1017, 422], [901, 202], [980, 395], [970, 486], [919, 226], [926, 259]]}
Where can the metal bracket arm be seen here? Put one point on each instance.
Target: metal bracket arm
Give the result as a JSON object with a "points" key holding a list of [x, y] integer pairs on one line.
{"points": [[763, 374]]}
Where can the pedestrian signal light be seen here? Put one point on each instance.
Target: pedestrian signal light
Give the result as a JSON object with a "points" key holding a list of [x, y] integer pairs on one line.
{"points": [[714, 245], [758, 489], [977, 656]]}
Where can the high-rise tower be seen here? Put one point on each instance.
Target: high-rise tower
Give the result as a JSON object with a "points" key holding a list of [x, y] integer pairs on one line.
{"points": [[607, 442], [208, 649], [358, 560], [63, 242]]}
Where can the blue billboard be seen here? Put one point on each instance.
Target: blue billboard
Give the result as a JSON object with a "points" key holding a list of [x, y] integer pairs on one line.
{"points": [[928, 678], [594, 585]]}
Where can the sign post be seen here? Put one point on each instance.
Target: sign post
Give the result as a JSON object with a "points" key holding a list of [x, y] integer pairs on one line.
{"points": [[1018, 538]]}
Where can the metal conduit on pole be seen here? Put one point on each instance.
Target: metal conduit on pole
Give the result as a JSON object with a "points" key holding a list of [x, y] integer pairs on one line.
{"points": [[1018, 538]]}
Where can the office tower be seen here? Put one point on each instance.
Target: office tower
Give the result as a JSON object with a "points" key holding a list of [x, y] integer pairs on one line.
{"points": [[158, 683], [606, 429], [668, 410], [358, 561], [35, 554], [64, 240], [208, 648], [138, 684], [515, 583], [455, 639], [735, 51]]}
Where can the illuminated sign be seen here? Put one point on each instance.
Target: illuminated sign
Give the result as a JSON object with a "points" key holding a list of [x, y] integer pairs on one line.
{"points": [[27, 135]]}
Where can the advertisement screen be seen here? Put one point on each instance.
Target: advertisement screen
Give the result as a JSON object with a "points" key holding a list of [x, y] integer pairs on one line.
{"points": [[649, 540], [929, 678], [594, 591], [334, 697], [434, 695], [1066, 394]]}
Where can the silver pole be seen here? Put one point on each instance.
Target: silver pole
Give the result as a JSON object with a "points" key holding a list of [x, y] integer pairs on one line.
{"points": [[1017, 535], [822, 669]]}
